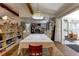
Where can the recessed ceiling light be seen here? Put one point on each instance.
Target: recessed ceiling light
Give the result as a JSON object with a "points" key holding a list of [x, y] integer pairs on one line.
{"points": [[5, 17]]}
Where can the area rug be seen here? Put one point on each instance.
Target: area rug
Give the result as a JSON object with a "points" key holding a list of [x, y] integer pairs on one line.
{"points": [[74, 47]]}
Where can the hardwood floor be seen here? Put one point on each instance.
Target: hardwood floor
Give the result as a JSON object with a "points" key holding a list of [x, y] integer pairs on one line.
{"points": [[14, 51], [65, 50], [59, 50]]}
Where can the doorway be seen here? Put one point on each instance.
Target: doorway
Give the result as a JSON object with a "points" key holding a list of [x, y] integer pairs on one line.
{"points": [[70, 28]]}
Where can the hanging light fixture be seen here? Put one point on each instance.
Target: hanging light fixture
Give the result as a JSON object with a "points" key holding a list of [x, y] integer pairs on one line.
{"points": [[38, 15]]}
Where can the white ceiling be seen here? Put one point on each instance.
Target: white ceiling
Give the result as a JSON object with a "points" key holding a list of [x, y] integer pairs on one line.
{"points": [[48, 9], [4, 12], [20, 8], [13, 6], [72, 16]]}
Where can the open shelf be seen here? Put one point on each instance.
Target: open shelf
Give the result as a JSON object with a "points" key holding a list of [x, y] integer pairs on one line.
{"points": [[2, 41], [8, 49], [10, 35], [10, 44], [11, 38]]}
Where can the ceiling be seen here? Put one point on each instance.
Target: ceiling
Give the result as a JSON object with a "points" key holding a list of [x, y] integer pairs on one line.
{"points": [[47, 9], [4, 12]]}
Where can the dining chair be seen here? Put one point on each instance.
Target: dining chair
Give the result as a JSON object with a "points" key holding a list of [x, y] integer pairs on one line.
{"points": [[35, 50]]}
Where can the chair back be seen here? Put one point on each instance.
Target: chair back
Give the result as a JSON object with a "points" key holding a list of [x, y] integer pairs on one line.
{"points": [[35, 50]]}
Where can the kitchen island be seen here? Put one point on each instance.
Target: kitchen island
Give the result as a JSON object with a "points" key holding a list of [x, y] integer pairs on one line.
{"points": [[36, 39]]}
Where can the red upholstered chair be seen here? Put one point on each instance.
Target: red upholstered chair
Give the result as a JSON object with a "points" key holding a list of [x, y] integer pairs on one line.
{"points": [[35, 50]]}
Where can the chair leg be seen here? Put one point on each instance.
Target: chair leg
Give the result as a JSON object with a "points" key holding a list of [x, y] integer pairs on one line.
{"points": [[21, 52], [50, 51]]}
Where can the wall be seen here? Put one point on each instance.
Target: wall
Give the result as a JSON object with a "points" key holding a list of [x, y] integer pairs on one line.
{"points": [[58, 32], [28, 28]]}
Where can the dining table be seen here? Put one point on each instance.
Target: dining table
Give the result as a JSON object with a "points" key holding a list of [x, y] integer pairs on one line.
{"points": [[36, 39]]}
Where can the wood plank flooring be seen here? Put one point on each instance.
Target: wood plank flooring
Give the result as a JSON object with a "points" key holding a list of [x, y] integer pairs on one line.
{"points": [[59, 50], [65, 50]]}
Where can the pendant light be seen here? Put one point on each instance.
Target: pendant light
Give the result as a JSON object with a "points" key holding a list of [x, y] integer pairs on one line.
{"points": [[38, 15]]}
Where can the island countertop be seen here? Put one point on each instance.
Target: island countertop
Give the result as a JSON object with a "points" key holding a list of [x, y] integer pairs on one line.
{"points": [[37, 38]]}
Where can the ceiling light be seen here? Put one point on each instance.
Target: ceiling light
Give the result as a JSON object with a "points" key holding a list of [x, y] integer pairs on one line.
{"points": [[4, 17], [38, 15]]}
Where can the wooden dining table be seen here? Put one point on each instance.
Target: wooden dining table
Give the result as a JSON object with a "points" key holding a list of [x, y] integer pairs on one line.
{"points": [[36, 39]]}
